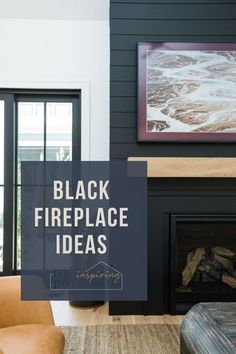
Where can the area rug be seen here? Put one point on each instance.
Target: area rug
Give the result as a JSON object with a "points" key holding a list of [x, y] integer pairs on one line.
{"points": [[122, 339]]}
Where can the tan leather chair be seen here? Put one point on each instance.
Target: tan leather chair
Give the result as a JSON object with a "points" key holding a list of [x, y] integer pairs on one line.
{"points": [[26, 327]]}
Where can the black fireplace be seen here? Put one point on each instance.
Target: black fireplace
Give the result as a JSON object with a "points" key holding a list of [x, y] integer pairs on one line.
{"points": [[203, 260], [187, 218]]}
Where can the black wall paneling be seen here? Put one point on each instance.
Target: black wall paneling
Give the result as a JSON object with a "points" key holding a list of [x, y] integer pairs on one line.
{"points": [[171, 2], [123, 120], [123, 89], [122, 150], [187, 11], [134, 21], [177, 27], [129, 42]]}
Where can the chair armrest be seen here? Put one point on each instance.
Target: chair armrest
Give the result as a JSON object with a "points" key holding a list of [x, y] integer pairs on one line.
{"points": [[14, 311]]}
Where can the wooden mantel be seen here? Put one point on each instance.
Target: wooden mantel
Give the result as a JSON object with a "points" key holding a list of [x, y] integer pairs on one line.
{"points": [[189, 167]]}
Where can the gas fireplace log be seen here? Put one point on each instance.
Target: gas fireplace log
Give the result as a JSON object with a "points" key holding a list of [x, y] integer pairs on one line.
{"points": [[225, 262], [193, 260], [224, 252], [214, 274], [231, 281]]}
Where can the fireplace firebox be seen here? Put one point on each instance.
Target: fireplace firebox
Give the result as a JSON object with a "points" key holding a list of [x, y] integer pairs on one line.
{"points": [[203, 260]]}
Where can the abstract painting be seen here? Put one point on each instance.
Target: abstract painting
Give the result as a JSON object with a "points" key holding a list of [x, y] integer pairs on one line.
{"points": [[187, 92]]}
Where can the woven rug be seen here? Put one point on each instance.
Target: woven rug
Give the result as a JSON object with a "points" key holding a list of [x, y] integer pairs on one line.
{"points": [[122, 339]]}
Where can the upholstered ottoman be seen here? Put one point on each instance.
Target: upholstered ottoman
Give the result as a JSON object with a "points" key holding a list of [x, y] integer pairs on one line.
{"points": [[209, 328]]}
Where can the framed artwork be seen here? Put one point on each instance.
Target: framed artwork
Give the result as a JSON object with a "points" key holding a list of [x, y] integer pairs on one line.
{"points": [[186, 92]]}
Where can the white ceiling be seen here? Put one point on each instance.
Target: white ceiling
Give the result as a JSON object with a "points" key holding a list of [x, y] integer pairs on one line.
{"points": [[97, 10]]}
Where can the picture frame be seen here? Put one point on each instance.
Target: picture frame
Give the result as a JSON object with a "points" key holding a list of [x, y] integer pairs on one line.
{"points": [[186, 92]]}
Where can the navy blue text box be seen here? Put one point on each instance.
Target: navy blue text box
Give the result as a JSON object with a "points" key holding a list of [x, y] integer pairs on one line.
{"points": [[84, 231]]}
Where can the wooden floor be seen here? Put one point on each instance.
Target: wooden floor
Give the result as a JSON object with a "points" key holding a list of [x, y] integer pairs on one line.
{"points": [[66, 315]]}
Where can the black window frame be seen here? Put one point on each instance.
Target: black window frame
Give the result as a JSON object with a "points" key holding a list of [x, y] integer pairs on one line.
{"points": [[11, 99]]}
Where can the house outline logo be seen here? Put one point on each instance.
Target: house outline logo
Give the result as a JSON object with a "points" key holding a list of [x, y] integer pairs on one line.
{"points": [[102, 262], [109, 267], [91, 289]]}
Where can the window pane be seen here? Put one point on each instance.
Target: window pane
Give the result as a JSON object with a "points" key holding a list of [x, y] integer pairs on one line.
{"points": [[18, 229], [30, 132], [31, 141], [59, 131], [1, 142], [30, 148], [1, 227], [1, 180]]}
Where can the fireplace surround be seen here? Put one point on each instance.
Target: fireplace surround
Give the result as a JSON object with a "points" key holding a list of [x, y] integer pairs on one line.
{"points": [[204, 194]]}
